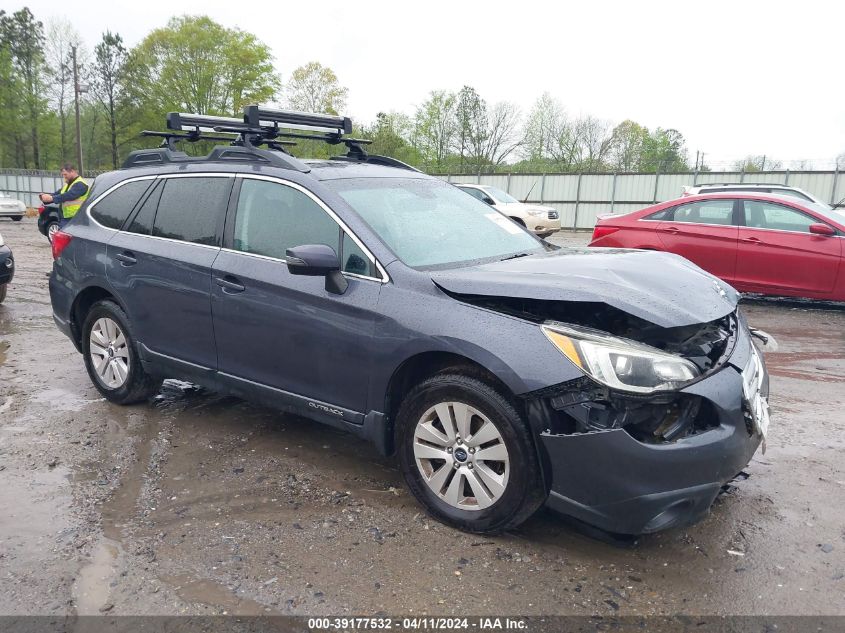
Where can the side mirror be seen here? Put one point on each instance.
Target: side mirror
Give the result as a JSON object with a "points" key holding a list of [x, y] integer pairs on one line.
{"points": [[317, 260], [490, 201], [822, 229]]}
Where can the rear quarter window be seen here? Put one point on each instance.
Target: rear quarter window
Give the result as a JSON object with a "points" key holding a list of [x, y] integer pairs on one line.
{"points": [[113, 208]]}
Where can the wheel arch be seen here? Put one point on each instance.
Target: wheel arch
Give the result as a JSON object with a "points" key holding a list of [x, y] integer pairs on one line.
{"points": [[422, 365], [81, 305]]}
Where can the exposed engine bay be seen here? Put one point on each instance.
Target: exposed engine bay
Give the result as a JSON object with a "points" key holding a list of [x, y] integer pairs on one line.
{"points": [[584, 406]]}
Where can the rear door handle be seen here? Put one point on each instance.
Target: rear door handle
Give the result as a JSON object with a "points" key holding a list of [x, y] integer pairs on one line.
{"points": [[229, 284], [671, 229], [752, 240], [126, 258]]}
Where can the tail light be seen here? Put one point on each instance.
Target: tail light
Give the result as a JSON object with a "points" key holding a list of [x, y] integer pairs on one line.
{"points": [[59, 243], [40, 210], [603, 231]]}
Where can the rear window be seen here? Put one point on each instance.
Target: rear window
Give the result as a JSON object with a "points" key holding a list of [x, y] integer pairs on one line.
{"points": [[191, 209], [112, 209]]}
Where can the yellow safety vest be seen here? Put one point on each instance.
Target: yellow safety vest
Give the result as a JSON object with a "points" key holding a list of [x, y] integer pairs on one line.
{"points": [[70, 207]]}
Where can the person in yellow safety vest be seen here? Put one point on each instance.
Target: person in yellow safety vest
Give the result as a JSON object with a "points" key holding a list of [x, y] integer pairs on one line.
{"points": [[70, 196]]}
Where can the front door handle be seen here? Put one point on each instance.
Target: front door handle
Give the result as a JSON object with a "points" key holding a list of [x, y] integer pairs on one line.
{"points": [[229, 284], [126, 258], [674, 230], [752, 240]]}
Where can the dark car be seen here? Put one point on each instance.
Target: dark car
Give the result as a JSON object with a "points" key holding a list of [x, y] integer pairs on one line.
{"points": [[48, 220], [7, 268], [620, 387]]}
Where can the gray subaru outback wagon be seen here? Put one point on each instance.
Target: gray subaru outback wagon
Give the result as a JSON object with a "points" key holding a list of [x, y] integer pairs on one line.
{"points": [[620, 387]]}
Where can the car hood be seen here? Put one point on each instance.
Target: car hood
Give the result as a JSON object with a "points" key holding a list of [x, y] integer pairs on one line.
{"points": [[522, 206], [661, 288]]}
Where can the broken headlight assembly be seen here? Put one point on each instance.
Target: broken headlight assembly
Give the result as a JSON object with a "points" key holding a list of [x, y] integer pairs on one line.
{"points": [[620, 363]]}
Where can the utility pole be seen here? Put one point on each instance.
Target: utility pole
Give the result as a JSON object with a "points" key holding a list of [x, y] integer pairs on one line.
{"points": [[76, 91]]}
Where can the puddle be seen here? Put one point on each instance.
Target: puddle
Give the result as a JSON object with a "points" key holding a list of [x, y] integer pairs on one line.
{"points": [[215, 595], [91, 589]]}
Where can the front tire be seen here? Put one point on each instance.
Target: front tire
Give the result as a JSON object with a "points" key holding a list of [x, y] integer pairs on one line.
{"points": [[467, 454], [111, 356], [17, 218]]}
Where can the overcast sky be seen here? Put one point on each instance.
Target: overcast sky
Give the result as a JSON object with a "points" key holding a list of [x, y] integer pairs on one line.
{"points": [[735, 77]]}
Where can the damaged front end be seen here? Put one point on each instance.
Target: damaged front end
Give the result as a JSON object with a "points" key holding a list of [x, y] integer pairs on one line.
{"points": [[661, 418]]}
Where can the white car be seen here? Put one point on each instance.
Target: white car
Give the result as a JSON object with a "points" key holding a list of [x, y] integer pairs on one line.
{"points": [[11, 207], [542, 221], [752, 187]]}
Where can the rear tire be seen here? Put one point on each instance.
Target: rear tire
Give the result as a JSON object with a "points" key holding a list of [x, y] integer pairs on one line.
{"points": [[111, 356], [485, 495], [17, 218], [52, 228]]}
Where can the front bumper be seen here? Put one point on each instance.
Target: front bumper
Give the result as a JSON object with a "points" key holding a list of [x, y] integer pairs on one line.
{"points": [[7, 265], [614, 482]]}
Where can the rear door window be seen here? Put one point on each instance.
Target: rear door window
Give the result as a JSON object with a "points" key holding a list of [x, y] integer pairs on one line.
{"points": [[112, 209], [704, 212], [191, 209]]}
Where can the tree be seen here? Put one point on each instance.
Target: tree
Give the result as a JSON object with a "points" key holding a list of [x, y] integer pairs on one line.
{"points": [[752, 163], [108, 82], [434, 127], [61, 36], [390, 135], [592, 142], [22, 36], [664, 151], [196, 65], [469, 109], [626, 145], [315, 88]]}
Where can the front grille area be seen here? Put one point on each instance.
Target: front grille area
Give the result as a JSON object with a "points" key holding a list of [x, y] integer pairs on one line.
{"points": [[553, 215]]}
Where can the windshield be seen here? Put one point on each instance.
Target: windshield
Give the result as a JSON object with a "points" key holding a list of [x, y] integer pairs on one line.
{"points": [[500, 195], [429, 223]]}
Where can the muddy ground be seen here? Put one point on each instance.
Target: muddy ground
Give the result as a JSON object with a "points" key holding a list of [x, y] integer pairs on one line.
{"points": [[200, 504]]}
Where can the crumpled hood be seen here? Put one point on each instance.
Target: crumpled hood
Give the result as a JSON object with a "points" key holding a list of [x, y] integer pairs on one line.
{"points": [[662, 288]]}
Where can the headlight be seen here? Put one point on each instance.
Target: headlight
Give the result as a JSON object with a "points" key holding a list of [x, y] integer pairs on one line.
{"points": [[621, 363]]}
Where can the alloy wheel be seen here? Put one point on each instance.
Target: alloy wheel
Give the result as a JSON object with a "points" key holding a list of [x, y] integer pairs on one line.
{"points": [[109, 353], [461, 455]]}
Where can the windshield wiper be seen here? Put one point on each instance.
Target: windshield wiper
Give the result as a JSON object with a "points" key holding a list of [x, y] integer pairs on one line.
{"points": [[514, 256]]}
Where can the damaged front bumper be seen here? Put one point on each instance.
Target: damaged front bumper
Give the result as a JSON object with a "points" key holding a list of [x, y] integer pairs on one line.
{"points": [[621, 483]]}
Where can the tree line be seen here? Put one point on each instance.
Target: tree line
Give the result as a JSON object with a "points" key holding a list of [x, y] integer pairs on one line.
{"points": [[194, 64]]}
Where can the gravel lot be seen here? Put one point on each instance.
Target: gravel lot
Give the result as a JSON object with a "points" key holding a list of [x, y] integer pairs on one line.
{"points": [[200, 504]]}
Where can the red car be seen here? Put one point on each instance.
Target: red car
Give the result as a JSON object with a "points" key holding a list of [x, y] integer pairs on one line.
{"points": [[761, 243]]}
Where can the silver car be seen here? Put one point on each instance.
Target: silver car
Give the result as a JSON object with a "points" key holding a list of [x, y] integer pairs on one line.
{"points": [[11, 207], [540, 220]]}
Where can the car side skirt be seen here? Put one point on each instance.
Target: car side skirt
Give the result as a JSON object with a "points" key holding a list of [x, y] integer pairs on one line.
{"points": [[371, 426]]}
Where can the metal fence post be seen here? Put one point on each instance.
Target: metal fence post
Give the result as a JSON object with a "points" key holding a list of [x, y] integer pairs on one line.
{"points": [[613, 193], [786, 181], [833, 199], [508, 186], [577, 201], [656, 181], [742, 175], [542, 187]]}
